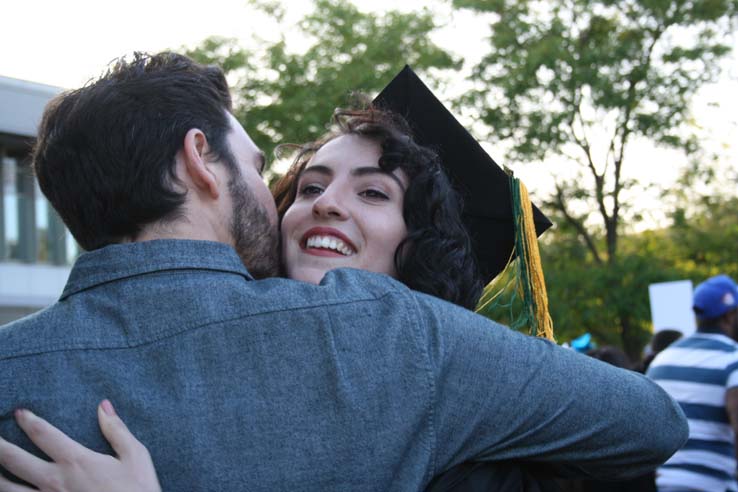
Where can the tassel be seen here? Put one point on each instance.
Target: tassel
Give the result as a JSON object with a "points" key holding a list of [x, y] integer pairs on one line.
{"points": [[535, 297], [526, 281]]}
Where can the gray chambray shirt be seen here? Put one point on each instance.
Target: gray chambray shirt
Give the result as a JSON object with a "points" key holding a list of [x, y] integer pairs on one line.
{"points": [[356, 384]]}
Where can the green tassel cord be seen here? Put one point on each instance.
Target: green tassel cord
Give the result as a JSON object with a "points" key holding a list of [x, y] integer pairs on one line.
{"points": [[522, 281]]}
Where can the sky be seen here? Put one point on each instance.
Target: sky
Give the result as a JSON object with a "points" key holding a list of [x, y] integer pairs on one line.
{"points": [[66, 42]]}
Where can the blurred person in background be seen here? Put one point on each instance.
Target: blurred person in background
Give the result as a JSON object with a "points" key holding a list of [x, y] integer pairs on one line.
{"points": [[701, 373], [659, 342]]}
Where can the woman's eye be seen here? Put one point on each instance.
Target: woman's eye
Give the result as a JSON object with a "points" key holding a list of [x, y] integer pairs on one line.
{"points": [[311, 189], [374, 194]]}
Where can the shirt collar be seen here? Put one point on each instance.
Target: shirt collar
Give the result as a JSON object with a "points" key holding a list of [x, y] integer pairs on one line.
{"points": [[715, 335], [119, 261]]}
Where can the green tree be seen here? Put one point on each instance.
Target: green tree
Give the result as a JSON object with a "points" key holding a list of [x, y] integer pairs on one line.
{"points": [[704, 230], [287, 93], [589, 297], [562, 77], [699, 242]]}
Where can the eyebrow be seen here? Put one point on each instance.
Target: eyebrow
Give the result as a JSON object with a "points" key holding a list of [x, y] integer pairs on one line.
{"points": [[359, 171]]}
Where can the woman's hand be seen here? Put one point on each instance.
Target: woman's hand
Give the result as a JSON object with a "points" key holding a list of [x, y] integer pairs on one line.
{"points": [[76, 468]]}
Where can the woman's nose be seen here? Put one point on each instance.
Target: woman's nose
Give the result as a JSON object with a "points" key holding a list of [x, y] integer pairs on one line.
{"points": [[328, 205]]}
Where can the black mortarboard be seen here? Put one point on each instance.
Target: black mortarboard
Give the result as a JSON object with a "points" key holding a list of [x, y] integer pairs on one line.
{"points": [[482, 184]]}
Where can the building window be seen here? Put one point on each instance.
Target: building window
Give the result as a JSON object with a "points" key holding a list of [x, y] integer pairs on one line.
{"points": [[30, 229], [11, 227]]}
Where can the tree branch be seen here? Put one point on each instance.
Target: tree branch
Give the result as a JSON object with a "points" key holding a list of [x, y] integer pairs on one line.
{"points": [[578, 224], [599, 178], [622, 133]]}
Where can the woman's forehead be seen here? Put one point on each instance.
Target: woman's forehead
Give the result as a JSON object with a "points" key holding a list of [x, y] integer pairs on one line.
{"points": [[352, 155], [349, 151]]}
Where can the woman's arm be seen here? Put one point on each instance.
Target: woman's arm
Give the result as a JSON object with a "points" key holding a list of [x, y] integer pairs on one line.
{"points": [[76, 468]]}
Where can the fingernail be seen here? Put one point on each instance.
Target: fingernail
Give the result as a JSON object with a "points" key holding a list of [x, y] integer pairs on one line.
{"points": [[22, 412], [108, 408]]}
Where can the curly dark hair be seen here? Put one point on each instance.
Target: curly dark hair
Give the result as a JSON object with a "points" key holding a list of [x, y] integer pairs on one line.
{"points": [[436, 257]]}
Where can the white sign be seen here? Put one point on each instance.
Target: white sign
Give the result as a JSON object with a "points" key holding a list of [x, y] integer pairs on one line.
{"points": [[671, 306]]}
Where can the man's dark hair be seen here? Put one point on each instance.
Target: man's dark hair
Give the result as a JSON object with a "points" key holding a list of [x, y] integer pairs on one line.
{"points": [[663, 339], [436, 257], [105, 155], [659, 343]]}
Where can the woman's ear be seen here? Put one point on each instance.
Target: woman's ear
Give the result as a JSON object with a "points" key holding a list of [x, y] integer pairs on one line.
{"points": [[197, 166]]}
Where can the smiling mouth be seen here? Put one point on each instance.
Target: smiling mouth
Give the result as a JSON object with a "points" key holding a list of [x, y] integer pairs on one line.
{"points": [[329, 243]]}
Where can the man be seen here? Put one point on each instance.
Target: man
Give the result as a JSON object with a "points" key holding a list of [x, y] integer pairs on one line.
{"points": [[701, 373], [242, 384]]}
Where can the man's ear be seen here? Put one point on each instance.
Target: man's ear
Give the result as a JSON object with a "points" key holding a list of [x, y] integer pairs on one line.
{"points": [[197, 166]]}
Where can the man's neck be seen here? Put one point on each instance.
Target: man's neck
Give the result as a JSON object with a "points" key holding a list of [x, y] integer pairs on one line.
{"points": [[179, 229], [714, 329]]}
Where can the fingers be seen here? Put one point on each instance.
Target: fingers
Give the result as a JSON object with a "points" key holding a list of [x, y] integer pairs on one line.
{"points": [[126, 446], [48, 438], [8, 486], [130, 450], [23, 465]]}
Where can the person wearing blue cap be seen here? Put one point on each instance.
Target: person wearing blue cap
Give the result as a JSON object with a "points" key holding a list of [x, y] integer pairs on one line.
{"points": [[701, 373]]}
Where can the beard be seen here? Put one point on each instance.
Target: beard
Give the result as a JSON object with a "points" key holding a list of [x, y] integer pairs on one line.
{"points": [[255, 238]]}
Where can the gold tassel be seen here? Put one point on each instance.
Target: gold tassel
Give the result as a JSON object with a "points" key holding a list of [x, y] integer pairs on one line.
{"points": [[539, 304], [527, 280]]}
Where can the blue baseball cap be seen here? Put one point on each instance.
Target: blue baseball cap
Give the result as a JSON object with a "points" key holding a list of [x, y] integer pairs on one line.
{"points": [[715, 296], [582, 343]]}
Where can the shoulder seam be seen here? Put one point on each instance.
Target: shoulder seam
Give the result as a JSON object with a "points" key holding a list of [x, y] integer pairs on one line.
{"points": [[162, 334]]}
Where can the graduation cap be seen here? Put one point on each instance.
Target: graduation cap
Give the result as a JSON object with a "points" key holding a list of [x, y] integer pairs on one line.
{"points": [[482, 184]]}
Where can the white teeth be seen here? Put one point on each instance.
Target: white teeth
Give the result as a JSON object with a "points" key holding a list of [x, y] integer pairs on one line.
{"points": [[329, 242]]}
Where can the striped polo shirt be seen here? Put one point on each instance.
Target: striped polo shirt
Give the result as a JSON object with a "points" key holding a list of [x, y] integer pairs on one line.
{"points": [[696, 371]]}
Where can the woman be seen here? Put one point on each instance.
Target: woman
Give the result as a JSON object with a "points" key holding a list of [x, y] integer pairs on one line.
{"points": [[392, 194], [363, 196]]}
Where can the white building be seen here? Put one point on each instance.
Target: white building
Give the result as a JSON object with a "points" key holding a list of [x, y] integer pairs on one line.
{"points": [[35, 247]]}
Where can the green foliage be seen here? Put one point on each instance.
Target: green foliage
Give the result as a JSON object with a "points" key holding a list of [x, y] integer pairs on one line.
{"points": [[555, 73], [559, 73], [292, 95], [605, 300], [706, 244], [705, 221], [585, 296], [225, 53]]}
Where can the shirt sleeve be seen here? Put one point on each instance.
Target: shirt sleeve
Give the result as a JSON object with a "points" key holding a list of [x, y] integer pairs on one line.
{"points": [[500, 395]]}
